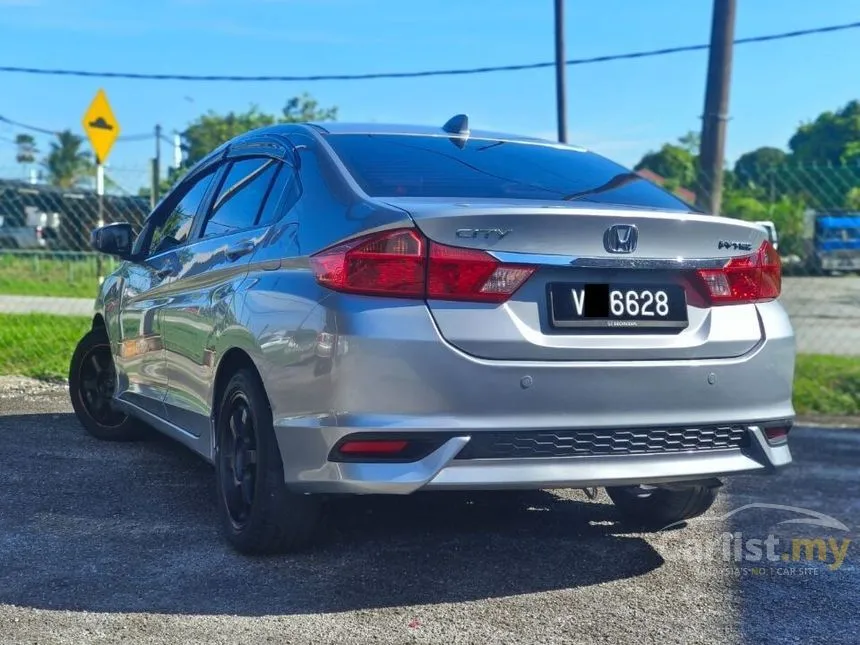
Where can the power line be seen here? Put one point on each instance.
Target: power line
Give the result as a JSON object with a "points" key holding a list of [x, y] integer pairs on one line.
{"points": [[24, 126], [34, 128], [440, 72]]}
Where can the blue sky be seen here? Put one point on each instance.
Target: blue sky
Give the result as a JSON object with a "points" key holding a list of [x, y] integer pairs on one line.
{"points": [[621, 109]]}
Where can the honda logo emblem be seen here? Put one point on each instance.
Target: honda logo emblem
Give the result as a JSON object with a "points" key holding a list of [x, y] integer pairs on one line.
{"points": [[621, 238]]}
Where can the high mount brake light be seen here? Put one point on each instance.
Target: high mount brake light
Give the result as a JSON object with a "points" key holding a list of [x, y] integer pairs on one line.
{"points": [[745, 279], [402, 263]]}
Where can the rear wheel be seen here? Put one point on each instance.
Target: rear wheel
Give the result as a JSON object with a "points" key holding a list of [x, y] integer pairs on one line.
{"points": [[259, 515], [658, 507], [92, 380]]}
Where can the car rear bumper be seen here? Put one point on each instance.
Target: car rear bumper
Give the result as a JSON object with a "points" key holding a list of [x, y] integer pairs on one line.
{"points": [[441, 469], [400, 378]]}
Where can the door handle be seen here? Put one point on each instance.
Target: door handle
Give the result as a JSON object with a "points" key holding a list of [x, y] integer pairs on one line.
{"points": [[238, 250]]}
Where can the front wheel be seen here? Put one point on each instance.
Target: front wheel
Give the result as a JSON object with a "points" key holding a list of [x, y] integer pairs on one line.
{"points": [[92, 380], [259, 515], [660, 507]]}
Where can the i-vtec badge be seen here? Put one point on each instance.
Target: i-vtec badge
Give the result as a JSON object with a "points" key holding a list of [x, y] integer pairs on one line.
{"points": [[482, 233], [734, 246]]}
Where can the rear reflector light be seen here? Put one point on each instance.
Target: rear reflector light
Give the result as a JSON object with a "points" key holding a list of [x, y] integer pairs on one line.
{"points": [[776, 434], [402, 263], [750, 278], [376, 447]]}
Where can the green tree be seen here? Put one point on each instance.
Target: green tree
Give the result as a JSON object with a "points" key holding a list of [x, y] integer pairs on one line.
{"points": [[757, 168], [672, 162], [740, 204], [788, 215], [852, 199], [831, 138], [211, 129], [66, 163], [27, 151], [691, 142]]}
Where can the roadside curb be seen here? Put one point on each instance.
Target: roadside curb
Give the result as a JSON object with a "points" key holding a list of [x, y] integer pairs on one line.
{"points": [[830, 422]]}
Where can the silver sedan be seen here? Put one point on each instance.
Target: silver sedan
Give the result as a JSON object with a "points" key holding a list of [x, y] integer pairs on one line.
{"points": [[330, 309]]}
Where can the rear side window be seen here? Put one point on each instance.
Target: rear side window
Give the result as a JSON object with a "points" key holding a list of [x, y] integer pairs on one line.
{"points": [[284, 183], [241, 196], [391, 165]]}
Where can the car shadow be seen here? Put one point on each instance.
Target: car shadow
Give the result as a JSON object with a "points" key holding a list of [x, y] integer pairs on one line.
{"points": [[103, 527]]}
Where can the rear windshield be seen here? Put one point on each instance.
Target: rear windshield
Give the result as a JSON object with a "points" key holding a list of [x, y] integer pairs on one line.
{"points": [[392, 165]]}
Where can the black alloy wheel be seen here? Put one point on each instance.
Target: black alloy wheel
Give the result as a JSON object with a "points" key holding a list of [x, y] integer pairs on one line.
{"points": [[97, 383], [92, 385], [238, 454]]}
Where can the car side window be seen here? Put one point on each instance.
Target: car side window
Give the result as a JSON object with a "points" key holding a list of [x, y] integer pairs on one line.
{"points": [[285, 185], [177, 224], [241, 196]]}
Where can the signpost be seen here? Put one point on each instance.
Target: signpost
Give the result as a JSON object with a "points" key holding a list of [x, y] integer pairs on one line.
{"points": [[102, 129]]}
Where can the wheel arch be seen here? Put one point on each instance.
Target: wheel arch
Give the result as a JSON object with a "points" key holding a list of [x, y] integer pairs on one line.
{"points": [[231, 362]]}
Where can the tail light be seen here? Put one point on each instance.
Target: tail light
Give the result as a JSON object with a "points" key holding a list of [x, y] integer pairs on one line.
{"points": [[750, 278], [391, 263], [402, 263]]}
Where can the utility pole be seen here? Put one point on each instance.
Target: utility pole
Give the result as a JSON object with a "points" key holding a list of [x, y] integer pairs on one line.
{"points": [[156, 168], [713, 140], [560, 91], [100, 195]]}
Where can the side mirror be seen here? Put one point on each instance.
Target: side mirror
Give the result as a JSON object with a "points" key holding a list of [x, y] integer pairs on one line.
{"points": [[113, 239]]}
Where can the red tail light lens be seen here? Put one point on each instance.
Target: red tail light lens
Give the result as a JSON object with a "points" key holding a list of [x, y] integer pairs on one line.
{"points": [[471, 274], [751, 278], [401, 263], [390, 263]]}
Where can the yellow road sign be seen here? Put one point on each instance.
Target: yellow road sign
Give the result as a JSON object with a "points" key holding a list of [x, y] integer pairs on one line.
{"points": [[101, 126]]}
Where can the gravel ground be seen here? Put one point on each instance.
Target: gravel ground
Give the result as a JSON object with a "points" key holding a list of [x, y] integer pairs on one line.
{"points": [[115, 543]]}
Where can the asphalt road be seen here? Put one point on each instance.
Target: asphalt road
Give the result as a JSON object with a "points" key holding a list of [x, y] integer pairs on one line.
{"points": [[825, 312], [116, 543]]}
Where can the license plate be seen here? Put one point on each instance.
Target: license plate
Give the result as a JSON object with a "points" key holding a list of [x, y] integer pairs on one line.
{"points": [[617, 305]]}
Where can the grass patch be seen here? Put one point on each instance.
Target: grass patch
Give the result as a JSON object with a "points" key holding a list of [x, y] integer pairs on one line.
{"points": [[827, 385], [41, 274], [39, 345]]}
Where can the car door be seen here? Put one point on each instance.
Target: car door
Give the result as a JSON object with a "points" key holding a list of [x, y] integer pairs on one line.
{"points": [[202, 294], [142, 377]]}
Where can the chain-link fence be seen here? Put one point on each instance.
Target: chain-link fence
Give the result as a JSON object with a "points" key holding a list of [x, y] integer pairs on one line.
{"points": [[812, 213]]}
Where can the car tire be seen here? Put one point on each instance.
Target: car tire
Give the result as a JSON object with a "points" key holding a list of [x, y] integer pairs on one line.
{"points": [[92, 381], [660, 507], [259, 515]]}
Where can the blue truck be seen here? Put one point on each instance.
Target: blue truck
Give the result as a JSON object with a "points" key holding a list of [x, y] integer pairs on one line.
{"points": [[835, 242]]}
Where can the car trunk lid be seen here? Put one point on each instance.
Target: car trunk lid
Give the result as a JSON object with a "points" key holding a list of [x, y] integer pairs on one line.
{"points": [[580, 255]]}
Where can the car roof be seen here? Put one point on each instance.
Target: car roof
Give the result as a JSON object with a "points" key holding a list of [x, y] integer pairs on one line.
{"points": [[338, 128]]}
